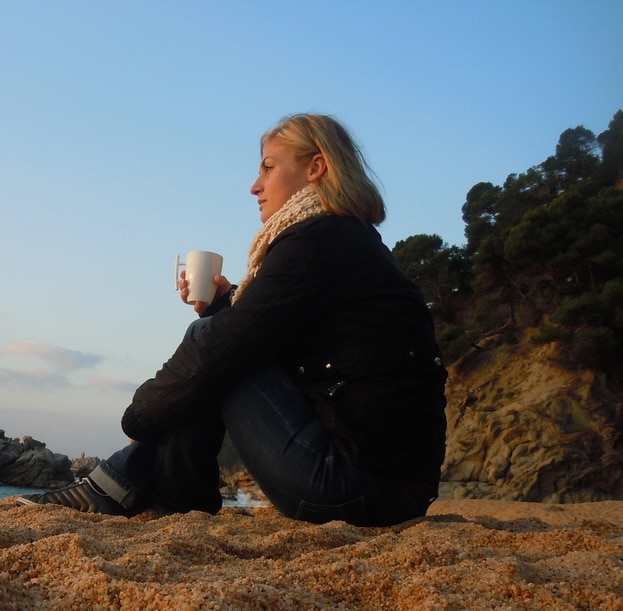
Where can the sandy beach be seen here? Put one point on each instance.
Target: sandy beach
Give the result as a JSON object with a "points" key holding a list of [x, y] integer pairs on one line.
{"points": [[465, 554]]}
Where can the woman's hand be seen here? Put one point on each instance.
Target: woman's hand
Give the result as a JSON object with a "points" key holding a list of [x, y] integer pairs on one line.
{"points": [[223, 286]]}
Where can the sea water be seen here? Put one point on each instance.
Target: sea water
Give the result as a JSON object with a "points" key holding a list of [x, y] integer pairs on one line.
{"points": [[16, 490], [242, 499]]}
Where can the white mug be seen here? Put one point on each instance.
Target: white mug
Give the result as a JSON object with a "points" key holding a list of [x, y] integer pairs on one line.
{"points": [[201, 267]]}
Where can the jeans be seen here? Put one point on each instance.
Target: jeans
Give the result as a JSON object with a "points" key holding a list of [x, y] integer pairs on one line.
{"points": [[283, 445]]}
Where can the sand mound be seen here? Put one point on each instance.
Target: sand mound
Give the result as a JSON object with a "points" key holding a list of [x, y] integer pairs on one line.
{"points": [[464, 554]]}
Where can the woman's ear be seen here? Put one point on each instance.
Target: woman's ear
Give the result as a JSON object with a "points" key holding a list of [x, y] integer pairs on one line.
{"points": [[317, 167]]}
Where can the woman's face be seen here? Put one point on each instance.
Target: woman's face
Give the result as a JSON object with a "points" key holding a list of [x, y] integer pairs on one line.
{"points": [[281, 176]]}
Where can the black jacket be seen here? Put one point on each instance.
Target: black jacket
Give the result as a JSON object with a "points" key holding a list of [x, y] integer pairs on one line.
{"points": [[331, 306]]}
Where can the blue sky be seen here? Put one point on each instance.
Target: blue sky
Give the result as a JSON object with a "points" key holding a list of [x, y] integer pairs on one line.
{"points": [[129, 134]]}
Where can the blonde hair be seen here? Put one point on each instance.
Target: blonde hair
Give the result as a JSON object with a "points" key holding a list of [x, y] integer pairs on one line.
{"points": [[345, 189]]}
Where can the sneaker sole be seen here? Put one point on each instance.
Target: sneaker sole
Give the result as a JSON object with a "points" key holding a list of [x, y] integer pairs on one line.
{"points": [[22, 500]]}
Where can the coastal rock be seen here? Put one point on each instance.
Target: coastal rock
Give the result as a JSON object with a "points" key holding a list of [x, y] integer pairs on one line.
{"points": [[83, 465], [241, 488], [523, 428], [29, 463]]}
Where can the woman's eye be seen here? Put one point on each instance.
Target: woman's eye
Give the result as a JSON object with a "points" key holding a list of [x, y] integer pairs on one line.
{"points": [[265, 167]]}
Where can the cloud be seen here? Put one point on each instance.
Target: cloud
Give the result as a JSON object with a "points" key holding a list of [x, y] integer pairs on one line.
{"points": [[60, 362], [112, 384], [59, 359], [32, 379]]}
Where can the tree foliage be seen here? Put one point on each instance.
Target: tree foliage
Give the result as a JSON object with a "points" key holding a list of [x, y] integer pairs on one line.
{"points": [[442, 272], [544, 253]]}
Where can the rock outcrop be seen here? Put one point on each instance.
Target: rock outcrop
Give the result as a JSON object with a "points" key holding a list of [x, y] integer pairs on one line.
{"points": [[521, 427], [29, 463]]}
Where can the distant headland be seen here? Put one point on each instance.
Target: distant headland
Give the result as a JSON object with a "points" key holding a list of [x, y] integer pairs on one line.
{"points": [[29, 463]]}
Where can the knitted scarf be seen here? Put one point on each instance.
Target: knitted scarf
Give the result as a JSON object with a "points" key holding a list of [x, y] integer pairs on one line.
{"points": [[304, 204]]}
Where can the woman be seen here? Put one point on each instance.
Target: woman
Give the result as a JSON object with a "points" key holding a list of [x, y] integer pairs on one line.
{"points": [[322, 365]]}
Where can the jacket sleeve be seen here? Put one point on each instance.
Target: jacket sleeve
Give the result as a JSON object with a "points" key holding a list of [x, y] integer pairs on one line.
{"points": [[223, 302], [292, 286]]}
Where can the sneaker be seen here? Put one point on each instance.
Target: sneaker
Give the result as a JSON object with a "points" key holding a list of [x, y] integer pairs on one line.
{"points": [[82, 495]]}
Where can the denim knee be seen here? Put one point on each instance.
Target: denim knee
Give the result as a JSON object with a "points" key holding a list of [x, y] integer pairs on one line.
{"points": [[196, 327]]}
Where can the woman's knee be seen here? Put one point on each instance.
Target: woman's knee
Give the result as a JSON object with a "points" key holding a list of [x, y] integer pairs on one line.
{"points": [[196, 327]]}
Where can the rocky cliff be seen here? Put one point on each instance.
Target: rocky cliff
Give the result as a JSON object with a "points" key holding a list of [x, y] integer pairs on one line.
{"points": [[29, 463], [522, 427]]}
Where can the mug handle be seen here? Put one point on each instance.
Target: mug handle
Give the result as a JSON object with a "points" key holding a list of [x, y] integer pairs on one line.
{"points": [[178, 264]]}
